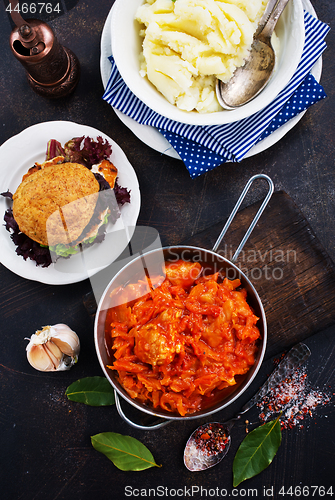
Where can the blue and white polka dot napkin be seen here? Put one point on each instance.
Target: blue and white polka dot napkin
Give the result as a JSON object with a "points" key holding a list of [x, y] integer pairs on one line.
{"points": [[203, 148]]}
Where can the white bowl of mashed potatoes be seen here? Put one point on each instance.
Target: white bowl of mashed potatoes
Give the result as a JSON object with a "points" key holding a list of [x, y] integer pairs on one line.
{"points": [[170, 52]]}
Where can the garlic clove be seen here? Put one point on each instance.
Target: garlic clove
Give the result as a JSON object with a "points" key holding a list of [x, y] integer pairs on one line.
{"points": [[54, 353], [63, 346], [54, 348], [39, 358], [66, 339]]}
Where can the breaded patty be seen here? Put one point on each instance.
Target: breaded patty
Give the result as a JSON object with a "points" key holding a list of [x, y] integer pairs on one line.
{"points": [[55, 204]]}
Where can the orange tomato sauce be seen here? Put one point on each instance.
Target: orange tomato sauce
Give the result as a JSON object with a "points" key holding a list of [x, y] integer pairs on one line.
{"points": [[185, 340]]}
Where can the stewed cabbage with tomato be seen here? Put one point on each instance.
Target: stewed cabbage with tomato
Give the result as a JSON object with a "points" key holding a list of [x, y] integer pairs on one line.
{"points": [[187, 337]]}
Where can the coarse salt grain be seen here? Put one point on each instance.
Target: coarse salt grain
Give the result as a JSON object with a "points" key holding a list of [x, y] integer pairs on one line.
{"points": [[294, 399]]}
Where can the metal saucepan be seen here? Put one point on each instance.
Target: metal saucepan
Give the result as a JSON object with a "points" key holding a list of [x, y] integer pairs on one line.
{"points": [[151, 263]]}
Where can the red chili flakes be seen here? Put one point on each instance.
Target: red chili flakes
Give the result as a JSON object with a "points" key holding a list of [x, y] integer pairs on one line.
{"points": [[212, 441]]}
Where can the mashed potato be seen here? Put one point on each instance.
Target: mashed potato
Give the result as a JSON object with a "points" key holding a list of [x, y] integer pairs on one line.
{"points": [[189, 43]]}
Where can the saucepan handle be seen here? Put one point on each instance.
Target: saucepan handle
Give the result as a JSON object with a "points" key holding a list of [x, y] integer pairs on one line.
{"points": [[254, 221], [162, 422]]}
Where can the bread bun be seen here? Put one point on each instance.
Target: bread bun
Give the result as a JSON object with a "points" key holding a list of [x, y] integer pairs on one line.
{"points": [[54, 204]]}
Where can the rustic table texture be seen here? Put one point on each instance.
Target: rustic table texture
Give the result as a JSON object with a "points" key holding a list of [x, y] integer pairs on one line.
{"points": [[46, 450]]}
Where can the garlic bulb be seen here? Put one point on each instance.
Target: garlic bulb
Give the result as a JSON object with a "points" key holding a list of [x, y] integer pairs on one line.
{"points": [[54, 348]]}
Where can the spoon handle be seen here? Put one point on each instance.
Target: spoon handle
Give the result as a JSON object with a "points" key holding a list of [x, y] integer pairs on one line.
{"points": [[293, 359], [266, 14], [270, 24]]}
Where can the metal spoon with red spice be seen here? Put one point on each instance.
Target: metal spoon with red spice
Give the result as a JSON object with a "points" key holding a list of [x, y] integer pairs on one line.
{"points": [[210, 443]]}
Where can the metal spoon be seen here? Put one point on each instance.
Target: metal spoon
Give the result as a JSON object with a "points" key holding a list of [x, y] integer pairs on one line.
{"points": [[249, 79], [210, 443]]}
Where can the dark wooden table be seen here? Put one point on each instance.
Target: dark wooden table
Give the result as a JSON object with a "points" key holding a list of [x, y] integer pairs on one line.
{"points": [[45, 439]]}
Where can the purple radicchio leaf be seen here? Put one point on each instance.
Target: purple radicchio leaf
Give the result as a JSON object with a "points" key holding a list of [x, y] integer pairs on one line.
{"points": [[32, 250], [11, 224], [90, 153], [7, 194], [54, 148], [122, 194]]}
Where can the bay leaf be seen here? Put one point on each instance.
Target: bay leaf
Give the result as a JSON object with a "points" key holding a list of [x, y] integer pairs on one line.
{"points": [[256, 451], [126, 452], [92, 391]]}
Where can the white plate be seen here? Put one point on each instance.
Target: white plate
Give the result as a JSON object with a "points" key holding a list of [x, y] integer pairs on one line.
{"points": [[154, 139], [17, 155]]}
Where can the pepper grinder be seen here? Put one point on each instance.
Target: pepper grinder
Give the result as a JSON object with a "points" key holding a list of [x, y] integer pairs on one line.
{"points": [[52, 70]]}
